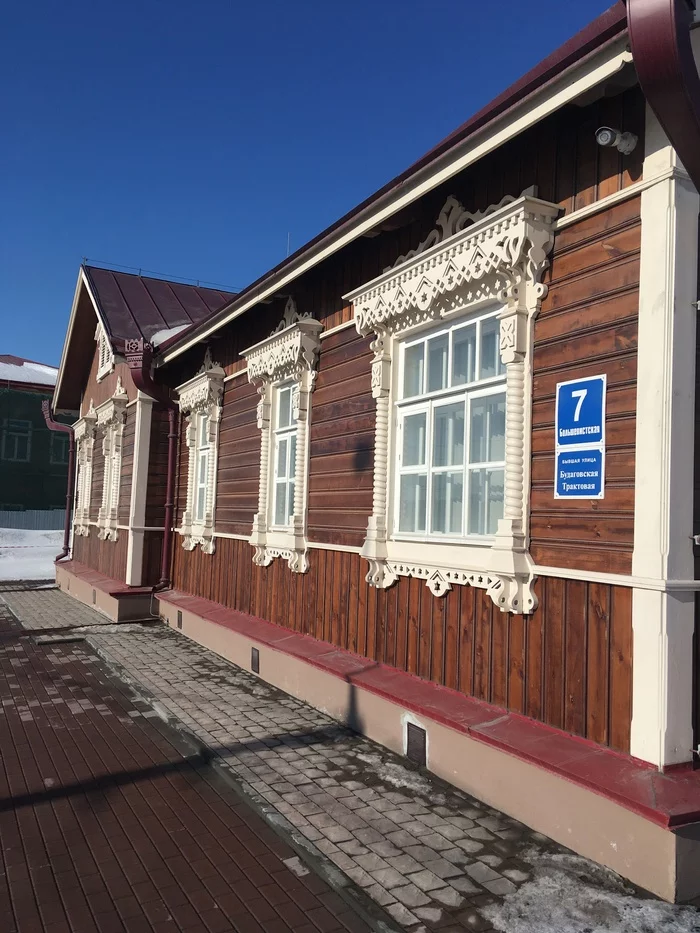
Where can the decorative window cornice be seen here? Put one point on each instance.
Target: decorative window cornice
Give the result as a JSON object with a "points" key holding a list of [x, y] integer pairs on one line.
{"points": [[290, 353], [110, 418], [201, 395], [84, 433], [500, 257]]}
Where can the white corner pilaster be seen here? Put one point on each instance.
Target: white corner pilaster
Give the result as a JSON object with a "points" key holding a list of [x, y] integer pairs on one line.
{"points": [[663, 622], [139, 485]]}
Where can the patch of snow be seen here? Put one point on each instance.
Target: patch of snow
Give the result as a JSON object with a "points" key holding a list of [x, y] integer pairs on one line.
{"points": [[28, 555], [392, 773], [569, 894], [166, 333], [29, 372]]}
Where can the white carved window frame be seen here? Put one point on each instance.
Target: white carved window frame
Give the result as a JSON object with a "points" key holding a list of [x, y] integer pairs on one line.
{"points": [[288, 355], [105, 354], [499, 258], [84, 432], [201, 395], [110, 421]]}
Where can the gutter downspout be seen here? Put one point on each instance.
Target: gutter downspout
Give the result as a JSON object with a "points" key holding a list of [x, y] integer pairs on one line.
{"points": [[659, 32], [64, 429], [139, 358]]}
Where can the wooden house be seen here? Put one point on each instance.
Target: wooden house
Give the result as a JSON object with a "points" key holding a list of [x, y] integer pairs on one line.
{"points": [[435, 473]]}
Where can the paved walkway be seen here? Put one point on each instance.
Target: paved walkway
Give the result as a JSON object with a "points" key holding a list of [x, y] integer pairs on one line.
{"points": [[106, 826], [428, 855]]}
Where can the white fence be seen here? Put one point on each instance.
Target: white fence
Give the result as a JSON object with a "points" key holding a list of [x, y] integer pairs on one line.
{"points": [[33, 519]]}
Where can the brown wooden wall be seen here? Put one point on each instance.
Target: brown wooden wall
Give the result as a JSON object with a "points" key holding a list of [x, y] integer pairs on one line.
{"points": [[157, 468], [567, 665], [152, 551], [588, 326], [108, 557], [98, 472], [570, 663], [127, 468], [341, 461], [98, 392]]}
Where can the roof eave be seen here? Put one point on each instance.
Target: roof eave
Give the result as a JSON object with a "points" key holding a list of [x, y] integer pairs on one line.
{"points": [[595, 64]]}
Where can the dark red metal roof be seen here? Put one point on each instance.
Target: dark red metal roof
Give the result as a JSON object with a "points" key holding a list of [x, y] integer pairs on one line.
{"points": [[604, 29], [134, 306]]}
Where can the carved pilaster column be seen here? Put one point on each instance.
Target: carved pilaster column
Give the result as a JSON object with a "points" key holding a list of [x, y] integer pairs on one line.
{"points": [[258, 537], [374, 549]]}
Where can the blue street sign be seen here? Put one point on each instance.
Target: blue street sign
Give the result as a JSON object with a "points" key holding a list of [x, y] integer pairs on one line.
{"points": [[579, 474], [580, 412]]}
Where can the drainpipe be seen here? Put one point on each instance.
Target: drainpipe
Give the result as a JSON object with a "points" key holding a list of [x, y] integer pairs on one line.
{"points": [[139, 358], [659, 32], [64, 429]]}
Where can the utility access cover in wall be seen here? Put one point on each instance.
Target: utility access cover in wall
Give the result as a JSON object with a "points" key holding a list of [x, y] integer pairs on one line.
{"points": [[580, 439]]}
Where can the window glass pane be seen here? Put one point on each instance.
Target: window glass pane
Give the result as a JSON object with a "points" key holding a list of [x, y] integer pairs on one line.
{"points": [[203, 431], [284, 408], [201, 494], [494, 504], [463, 355], [22, 448], [412, 503], [413, 370], [447, 503], [448, 435], [437, 363], [203, 463], [292, 455], [282, 458], [290, 501], [414, 439], [485, 501], [488, 426], [280, 503], [490, 354]]}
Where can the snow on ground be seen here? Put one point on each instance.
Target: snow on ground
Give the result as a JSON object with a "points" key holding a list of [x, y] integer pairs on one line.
{"points": [[29, 372], [392, 773], [569, 894], [28, 555]]}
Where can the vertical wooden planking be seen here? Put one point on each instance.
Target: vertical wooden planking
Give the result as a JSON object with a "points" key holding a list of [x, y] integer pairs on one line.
{"points": [[371, 630], [554, 649], [598, 661], [566, 164], [391, 619], [482, 646], [575, 658], [620, 711], [633, 109], [546, 166], [344, 598], [402, 589], [437, 661], [466, 620], [380, 628], [363, 587], [516, 663], [425, 638], [587, 150], [452, 633], [534, 665], [353, 606], [414, 598], [499, 657], [334, 585]]}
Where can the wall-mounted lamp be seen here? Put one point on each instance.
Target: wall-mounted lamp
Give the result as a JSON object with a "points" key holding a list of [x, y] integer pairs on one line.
{"points": [[611, 138]]}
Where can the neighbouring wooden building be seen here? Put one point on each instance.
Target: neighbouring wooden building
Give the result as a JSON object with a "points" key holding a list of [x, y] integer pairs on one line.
{"points": [[33, 460], [436, 472]]}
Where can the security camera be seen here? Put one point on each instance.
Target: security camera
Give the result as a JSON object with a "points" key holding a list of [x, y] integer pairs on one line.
{"points": [[615, 139]]}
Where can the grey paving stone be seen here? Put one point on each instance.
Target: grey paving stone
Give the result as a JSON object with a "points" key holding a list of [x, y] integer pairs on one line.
{"points": [[448, 896], [404, 864], [426, 880], [371, 862], [411, 896], [481, 873], [443, 869], [380, 895], [402, 914], [501, 887], [389, 877]]}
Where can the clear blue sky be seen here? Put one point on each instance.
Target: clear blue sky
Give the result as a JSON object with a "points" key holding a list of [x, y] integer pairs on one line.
{"points": [[190, 138]]}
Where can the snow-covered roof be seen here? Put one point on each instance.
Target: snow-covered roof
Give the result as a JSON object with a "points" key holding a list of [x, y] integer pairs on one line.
{"points": [[166, 333], [16, 369]]}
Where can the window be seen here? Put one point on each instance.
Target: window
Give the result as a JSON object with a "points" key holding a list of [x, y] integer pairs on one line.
{"points": [[59, 447], [17, 440], [283, 367], [111, 418], [200, 401], [84, 434], [449, 497], [202, 466], [285, 457], [451, 415]]}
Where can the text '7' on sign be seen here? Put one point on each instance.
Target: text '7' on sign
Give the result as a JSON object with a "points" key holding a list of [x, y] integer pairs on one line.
{"points": [[580, 412]]}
